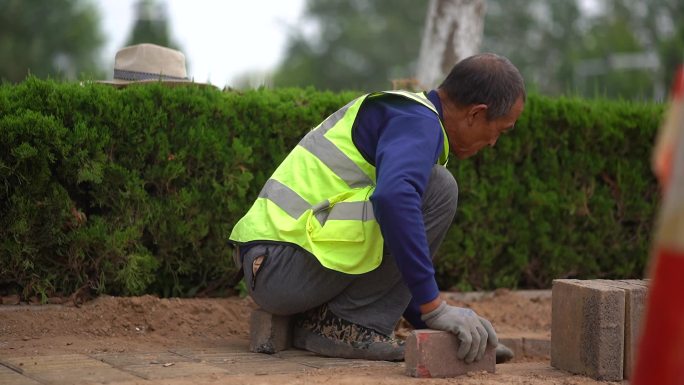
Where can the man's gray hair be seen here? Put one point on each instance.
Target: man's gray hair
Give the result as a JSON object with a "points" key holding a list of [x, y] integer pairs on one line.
{"points": [[485, 79]]}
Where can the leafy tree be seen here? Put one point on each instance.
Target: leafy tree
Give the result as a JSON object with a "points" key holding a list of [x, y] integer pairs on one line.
{"points": [[658, 24], [57, 38], [151, 25], [560, 48], [672, 53], [610, 42], [358, 44], [540, 37]]}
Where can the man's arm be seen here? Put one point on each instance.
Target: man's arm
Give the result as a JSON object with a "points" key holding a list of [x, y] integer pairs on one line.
{"points": [[408, 146], [403, 139], [407, 150]]}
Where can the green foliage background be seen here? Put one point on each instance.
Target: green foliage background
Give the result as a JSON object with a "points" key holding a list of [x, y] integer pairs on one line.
{"points": [[365, 44], [360, 45], [57, 38], [151, 25], [568, 193], [135, 190]]}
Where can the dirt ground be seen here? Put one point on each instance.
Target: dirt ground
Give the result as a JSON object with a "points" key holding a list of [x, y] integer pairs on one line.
{"points": [[134, 324]]}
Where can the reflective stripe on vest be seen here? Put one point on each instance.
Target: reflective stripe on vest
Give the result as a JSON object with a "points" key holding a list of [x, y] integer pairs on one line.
{"points": [[319, 197], [295, 206]]}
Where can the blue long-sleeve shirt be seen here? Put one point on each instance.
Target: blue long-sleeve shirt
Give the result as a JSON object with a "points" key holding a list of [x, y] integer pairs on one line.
{"points": [[403, 139]]}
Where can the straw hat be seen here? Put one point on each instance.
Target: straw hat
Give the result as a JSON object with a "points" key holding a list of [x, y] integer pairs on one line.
{"points": [[148, 63]]}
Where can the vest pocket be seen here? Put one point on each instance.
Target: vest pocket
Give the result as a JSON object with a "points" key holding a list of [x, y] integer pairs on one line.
{"points": [[341, 218], [339, 231]]}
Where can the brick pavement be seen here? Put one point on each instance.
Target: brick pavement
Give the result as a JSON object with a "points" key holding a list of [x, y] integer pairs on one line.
{"points": [[233, 358]]}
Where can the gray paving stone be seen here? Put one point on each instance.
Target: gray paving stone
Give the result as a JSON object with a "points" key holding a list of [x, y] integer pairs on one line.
{"points": [[537, 347], [242, 362], [152, 358], [261, 368], [537, 369], [513, 342], [221, 355], [527, 344], [71, 369], [158, 365], [315, 361], [9, 376], [174, 370]]}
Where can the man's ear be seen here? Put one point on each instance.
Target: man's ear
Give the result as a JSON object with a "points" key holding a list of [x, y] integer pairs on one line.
{"points": [[476, 111]]}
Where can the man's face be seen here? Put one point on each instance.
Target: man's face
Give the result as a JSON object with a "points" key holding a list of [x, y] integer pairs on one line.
{"points": [[470, 131]]}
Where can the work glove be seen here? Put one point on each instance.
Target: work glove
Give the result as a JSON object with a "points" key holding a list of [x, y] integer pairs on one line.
{"points": [[472, 331]]}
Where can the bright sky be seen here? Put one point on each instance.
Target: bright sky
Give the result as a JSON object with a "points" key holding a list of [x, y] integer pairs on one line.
{"points": [[221, 39]]}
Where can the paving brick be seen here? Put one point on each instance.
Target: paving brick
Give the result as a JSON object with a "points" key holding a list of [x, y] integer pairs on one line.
{"points": [[432, 353], [158, 365], [514, 342], [10, 300], [635, 302], [15, 377], [527, 344], [587, 328], [313, 360], [72, 369], [536, 347], [269, 333]]}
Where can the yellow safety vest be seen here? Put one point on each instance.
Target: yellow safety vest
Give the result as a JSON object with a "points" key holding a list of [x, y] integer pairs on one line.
{"points": [[319, 196]]}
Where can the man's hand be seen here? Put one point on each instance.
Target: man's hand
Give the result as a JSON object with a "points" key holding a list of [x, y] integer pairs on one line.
{"points": [[473, 331]]}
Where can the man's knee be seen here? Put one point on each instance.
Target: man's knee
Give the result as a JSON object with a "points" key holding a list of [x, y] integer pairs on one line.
{"points": [[443, 186], [283, 280]]}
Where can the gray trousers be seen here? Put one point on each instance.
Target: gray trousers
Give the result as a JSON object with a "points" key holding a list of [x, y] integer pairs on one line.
{"points": [[289, 280]]}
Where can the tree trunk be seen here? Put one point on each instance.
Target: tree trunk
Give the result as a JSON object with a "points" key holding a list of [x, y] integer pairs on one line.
{"points": [[453, 31]]}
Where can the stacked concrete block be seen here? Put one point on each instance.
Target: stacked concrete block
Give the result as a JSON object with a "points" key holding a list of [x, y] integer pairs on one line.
{"points": [[587, 329], [536, 347], [595, 326], [514, 342], [635, 303], [527, 345], [269, 333], [432, 353]]}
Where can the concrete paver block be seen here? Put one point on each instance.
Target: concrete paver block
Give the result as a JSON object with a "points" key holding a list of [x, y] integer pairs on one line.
{"points": [[527, 344], [635, 305], [158, 365], [243, 362], [73, 369], [15, 377], [313, 360], [432, 353], [513, 342], [269, 333], [10, 300], [587, 328], [536, 347]]}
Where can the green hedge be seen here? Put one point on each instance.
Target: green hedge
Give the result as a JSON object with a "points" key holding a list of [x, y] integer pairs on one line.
{"points": [[130, 191], [568, 193]]}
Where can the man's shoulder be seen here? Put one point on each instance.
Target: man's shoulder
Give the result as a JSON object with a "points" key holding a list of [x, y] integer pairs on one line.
{"points": [[398, 105]]}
